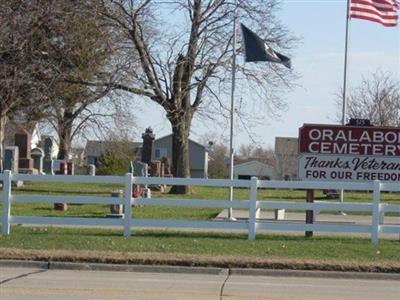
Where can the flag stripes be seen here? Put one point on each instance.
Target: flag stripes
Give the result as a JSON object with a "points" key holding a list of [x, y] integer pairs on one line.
{"points": [[380, 11]]}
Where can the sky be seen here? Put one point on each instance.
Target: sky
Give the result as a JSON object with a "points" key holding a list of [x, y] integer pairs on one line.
{"points": [[319, 60]]}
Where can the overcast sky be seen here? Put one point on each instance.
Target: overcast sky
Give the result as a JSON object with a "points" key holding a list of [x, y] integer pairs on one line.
{"points": [[319, 62]]}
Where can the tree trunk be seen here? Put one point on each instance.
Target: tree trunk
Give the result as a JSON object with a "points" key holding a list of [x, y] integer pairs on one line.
{"points": [[65, 135], [3, 120], [180, 151]]}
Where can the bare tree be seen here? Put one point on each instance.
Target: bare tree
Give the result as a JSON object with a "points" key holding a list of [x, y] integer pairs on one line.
{"points": [[377, 98], [75, 47], [46, 46], [265, 155], [246, 150], [251, 151], [184, 63], [217, 163], [21, 68]]}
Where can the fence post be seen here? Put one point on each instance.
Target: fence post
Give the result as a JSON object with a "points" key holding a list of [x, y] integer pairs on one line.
{"points": [[376, 212], [6, 202], [253, 208], [128, 204], [310, 213]]}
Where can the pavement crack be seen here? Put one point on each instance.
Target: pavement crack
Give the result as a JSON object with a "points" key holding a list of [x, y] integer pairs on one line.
{"points": [[221, 292], [21, 276]]}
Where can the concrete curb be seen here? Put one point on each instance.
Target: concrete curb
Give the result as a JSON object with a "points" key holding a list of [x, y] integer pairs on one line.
{"points": [[315, 274], [24, 264], [56, 265], [196, 270]]}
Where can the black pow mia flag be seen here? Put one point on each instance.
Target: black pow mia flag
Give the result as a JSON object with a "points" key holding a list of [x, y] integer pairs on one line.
{"points": [[257, 50]]}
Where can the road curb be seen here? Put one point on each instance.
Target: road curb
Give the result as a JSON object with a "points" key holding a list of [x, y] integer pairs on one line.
{"points": [[9, 263], [315, 274], [56, 265], [136, 268], [196, 270]]}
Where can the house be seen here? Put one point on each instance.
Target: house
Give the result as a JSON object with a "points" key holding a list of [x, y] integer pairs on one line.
{"points": [[95, 149], [198, 155], [254, 168], [287, 154], [162, 147]]}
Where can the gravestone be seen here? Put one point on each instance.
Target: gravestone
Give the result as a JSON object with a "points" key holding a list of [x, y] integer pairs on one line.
{"points": [[140, 169], [48, 163], [10, 162], [147, 148], [23, 142], [116, 210], [62, 167], [61, 206], [91, 170], [48, 147], [165, 169], [37, 156], [155, 168], [11, 159], [70, 168], [48, 167]]}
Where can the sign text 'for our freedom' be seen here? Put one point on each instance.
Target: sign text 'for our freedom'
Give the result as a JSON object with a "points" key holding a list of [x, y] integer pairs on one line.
{"points": [[331, 152]]}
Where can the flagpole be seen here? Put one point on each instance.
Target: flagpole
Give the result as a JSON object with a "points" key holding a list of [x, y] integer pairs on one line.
{"points": [[345, 75], [231, 152], [346, 51]]}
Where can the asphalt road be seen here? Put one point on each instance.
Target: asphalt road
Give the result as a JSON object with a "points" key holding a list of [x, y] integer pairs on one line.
{"points": [[23, 283]]}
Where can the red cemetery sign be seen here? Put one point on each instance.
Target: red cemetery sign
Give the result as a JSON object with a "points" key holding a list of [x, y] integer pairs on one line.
{"points": [[333, 152]]}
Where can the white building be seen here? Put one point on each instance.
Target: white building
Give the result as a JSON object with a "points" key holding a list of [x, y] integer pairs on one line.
{"points": [[254, 168]]}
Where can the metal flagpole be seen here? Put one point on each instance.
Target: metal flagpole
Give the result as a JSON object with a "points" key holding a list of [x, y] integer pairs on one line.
{"points": [[346, 50], [230, 213]]}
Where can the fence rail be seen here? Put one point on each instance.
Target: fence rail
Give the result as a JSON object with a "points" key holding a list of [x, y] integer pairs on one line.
{"points": [[252, 225]]}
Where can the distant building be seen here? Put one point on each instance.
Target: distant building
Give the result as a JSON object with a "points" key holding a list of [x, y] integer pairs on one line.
{"points": [[95, 149], [162, 147], [286, 153], [254, 168], [198, 155]]}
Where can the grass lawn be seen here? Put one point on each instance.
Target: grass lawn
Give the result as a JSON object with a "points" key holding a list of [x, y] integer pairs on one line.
{"points": [[214, 246], [350, 250], [179, 213]]}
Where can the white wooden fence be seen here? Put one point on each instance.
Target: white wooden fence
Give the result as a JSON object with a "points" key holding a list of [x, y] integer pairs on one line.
{"points": [[376, 208]]}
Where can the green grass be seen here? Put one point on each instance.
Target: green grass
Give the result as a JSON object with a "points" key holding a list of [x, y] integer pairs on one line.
{"points": [[179, 213], [209, 244], [194, 243]]}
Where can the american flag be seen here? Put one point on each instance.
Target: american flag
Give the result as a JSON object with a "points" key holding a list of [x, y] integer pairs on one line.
{"points": [[380, 11]]}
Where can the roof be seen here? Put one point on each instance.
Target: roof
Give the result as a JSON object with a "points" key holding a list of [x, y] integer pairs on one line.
{"points": [[254, 168], [253, 162], [190, 140], [98, 148]]}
